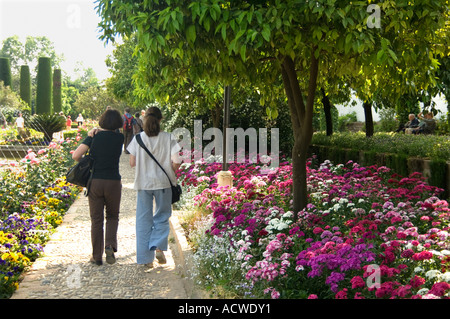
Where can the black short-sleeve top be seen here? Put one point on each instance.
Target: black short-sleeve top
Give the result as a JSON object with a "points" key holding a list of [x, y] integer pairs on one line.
{"points": [[106, 148]]}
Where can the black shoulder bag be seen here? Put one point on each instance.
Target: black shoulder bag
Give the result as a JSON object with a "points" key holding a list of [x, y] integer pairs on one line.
{"points": [[176, 189], [81, 173]]}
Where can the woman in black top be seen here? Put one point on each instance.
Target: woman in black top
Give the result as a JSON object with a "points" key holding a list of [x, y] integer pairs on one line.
{"points": [[106, 187]]}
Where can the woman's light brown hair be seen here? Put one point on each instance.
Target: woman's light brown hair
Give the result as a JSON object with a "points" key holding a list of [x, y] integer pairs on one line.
{"points": [[152, 118]]}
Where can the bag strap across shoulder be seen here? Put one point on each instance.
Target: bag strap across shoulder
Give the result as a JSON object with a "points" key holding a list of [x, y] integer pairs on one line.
{"points": [[141, 143], [89, 153]]}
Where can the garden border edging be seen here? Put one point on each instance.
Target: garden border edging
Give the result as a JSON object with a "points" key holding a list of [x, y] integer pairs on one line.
{"points": [[185, 255]]}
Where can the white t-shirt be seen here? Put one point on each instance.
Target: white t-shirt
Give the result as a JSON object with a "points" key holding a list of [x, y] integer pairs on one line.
{"points": [[20, 122], [149, 176]]}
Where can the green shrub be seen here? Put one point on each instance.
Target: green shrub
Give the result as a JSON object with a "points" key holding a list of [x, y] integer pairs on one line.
{"points": [[47, 124], [5, 71], [346, 119], [388, 122], [44, 86], [25, 84], [401, 164], [438, 176], [422, 146], [57, 97]]}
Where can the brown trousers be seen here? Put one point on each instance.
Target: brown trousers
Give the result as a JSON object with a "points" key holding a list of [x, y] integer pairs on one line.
{"points": [[104, 193]]}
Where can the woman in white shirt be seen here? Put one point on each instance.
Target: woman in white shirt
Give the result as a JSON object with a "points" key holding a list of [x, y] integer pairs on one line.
{"points": [[152, 184]]}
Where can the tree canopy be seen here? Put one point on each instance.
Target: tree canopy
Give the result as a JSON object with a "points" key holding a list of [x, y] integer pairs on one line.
{"points": [[278, 46]]}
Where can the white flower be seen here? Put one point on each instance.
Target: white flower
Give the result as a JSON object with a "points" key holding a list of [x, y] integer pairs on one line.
{"points": [[430, 274], [422, 291], [436, 253], [445, 252], [418, 269], [430, 296], [445, 277], [282, 226], [288, 214]]}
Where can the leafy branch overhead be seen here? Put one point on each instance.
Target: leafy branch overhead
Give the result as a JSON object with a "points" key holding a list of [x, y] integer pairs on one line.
{"points": [[282, 48]]}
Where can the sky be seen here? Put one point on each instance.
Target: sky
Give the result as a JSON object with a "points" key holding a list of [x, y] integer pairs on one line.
{"points": [[70, 24]]}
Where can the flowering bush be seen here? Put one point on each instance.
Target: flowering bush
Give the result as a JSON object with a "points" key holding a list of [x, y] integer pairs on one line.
{"points": [[34, 199], [366, 233]]}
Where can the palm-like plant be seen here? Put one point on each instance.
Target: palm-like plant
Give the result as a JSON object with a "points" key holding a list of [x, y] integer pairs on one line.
{"points": [[47, 124]]}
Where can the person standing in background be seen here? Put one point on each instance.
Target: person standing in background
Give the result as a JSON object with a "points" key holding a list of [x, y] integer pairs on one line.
{"points": [[20, 124], [139, 126], [128, 123], [69, 123]]}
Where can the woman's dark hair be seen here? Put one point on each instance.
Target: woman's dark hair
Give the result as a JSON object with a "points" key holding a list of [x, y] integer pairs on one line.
{"points": [[110, 120], [151, 121]]}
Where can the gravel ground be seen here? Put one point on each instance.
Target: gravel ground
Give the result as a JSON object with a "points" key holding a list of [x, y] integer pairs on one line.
{"points": [[64, 271]]}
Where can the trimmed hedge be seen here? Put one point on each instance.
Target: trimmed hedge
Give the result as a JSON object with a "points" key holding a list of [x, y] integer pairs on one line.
{"points": [[434, 147], [394, 151]]}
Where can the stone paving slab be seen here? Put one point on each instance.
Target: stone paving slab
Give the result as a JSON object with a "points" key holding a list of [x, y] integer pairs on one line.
{"points": [[64, 271]]}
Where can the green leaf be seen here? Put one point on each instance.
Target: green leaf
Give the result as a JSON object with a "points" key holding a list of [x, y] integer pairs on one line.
{"points": [[243, 52], [216, 9], [278, 23], [266, 32], [191, 34], [259, 17], [393, 55], [160, 40], [250, 16], [240, 34], [380, 55], [207, 24]]}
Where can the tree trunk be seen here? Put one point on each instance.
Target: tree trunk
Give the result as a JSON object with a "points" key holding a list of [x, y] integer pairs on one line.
{"points": [[448, 113], [327, 110], [216, 113], [368, 117], [301, 119]]}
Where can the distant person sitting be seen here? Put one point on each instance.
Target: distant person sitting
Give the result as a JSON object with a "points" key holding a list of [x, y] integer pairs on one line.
{"points": [[410, 125], [427, 124], [80, 120]]}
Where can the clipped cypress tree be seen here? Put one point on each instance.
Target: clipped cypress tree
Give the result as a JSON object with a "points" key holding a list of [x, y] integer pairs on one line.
{"points": [[5, 71], [57, 97], [44, 86], [25, 84]]}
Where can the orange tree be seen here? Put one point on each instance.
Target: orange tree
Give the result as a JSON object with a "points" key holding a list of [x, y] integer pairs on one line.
{"points": [[280, 47]]}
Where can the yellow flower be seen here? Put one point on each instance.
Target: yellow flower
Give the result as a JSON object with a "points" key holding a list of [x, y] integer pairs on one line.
{"points": [[3, 237], [14, 256]]}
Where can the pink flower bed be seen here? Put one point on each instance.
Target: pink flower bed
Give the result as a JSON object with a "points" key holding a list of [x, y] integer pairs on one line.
{"points": [[366, 233]]}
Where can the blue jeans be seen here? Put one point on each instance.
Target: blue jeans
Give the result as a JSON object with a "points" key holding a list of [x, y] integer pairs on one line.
{"points": [[152, 230]]}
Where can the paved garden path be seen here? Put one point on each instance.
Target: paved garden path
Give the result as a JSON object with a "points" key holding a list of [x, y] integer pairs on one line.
{"points": [[64, 271]]}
